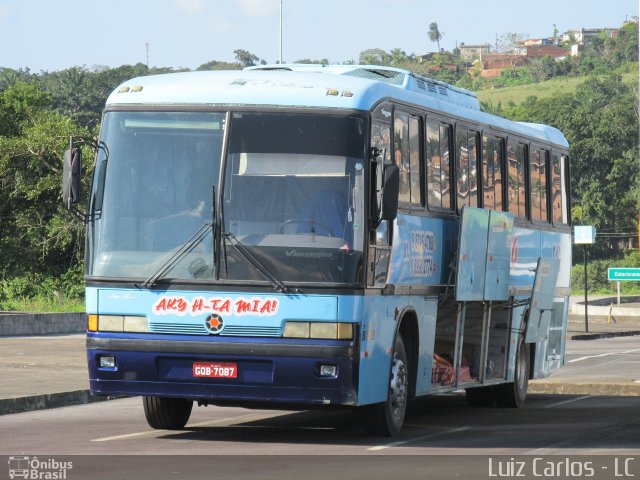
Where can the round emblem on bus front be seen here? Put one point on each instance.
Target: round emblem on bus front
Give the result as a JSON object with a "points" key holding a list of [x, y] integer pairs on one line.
{"points": [[214, 323]]}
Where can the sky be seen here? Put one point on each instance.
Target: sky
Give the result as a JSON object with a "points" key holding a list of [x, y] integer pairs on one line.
{"points": [[49, 35]]}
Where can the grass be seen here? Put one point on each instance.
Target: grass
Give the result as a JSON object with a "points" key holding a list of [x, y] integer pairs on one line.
{"points": [[546, 89], [38, 305]]}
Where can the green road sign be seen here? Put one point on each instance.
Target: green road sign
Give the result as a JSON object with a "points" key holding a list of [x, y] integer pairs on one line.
{"points": [[624, 274]]}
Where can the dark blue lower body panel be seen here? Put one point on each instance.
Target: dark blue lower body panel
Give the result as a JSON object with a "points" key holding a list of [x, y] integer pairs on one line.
{"points": [[278, 371]]}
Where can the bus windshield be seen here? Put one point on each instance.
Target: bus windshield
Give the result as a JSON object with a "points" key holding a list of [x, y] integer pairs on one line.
{"points": [[293, 197]]}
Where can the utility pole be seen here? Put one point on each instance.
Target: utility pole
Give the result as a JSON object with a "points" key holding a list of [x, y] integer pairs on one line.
{"points": [[281, 31]]}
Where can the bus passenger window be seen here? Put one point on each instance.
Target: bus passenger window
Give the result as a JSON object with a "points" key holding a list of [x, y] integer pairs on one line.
{"points": [[473, 169], [538, 185], [437, 145], [414, 160], [401, 154], [467, 170], [434, 192], [406, 141], [492, 173], [544, 195], [558, 192], [445, 159], [516, 194]]}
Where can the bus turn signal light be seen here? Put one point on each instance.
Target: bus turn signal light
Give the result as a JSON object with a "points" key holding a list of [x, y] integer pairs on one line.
{"points": [[92, 323]]}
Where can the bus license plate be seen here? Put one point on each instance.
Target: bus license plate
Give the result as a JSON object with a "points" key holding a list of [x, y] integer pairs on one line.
{"points": [[215, 370]]}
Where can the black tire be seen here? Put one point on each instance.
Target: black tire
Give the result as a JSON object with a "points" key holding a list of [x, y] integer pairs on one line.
{"points": [[167, 413], [514, 394], [479, 396], [386, 419]]}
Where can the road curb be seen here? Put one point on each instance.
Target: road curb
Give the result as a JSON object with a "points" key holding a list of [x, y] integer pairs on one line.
{"points": [[47, 401], [597, 336], [601, 389]]}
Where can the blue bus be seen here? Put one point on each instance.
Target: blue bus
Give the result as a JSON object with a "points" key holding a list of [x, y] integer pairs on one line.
{"points": [[320, 236]]}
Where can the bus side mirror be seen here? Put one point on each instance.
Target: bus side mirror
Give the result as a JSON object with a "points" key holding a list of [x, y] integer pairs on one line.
{"points": [[391, 191], [71, 173]]}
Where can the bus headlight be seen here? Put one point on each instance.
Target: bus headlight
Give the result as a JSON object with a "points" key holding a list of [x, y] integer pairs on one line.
{"points": [[320, 330]]}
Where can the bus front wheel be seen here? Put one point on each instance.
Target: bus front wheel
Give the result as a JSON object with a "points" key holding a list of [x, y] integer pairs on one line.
{"points": [[386, 419], [167, 413], [513, 394]]}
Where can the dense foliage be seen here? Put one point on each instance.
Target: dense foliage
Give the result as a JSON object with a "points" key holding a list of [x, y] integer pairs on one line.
{"points": [[42, 244]]}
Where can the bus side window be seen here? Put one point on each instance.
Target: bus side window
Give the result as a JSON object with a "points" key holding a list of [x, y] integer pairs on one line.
{"points": [[437, 145], [559, 202], [538, 184], [473, 168], [406, 147], [445, 159], [516, 194], [414, 160], [466, 167], [401, 153], [492, 172]]}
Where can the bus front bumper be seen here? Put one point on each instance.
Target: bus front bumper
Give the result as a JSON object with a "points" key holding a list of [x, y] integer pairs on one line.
{"points": [[272, 371]]}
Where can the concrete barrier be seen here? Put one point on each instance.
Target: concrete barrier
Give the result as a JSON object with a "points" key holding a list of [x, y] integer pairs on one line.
{"points": [[18, 324], [629, 306]]}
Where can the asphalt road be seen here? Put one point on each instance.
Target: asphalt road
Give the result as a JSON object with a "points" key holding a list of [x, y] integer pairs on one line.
{"points": [[442, 434]]}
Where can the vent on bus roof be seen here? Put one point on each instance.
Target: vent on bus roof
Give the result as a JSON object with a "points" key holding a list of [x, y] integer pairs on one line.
{"points": [[381, 75]]}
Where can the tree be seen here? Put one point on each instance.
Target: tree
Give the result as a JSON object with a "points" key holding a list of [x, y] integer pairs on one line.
{"points": [[374, 56], [309, 61], [216, 65], [508, 44], [601, 123], [398, 56], [434, 34], [554, 36], [247, 59], [36, 234]]}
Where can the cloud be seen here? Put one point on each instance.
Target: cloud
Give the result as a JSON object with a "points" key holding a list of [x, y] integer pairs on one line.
{"points": [[4, 13], [191, 7], [259, 8]]}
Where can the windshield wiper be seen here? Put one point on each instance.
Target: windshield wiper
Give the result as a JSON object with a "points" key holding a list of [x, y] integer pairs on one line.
{"points": [[246, 253], [179, 254]]}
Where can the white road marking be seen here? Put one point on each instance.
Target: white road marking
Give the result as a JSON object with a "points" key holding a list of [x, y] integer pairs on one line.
{"points": [[564, 402], [417, 439], [224, 422], [603, 355]]}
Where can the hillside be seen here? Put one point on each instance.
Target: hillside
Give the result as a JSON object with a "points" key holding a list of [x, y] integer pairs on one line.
{"points": [[545, 89]]}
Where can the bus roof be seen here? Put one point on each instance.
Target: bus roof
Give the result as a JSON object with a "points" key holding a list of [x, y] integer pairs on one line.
{"points": [[353, 87]]}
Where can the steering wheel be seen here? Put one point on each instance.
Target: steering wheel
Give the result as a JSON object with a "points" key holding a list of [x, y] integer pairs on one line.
{"points": [[315, 225]]}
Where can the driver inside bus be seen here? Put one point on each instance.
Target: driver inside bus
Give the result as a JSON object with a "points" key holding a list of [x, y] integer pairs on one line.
{"points": [[327, 213]]}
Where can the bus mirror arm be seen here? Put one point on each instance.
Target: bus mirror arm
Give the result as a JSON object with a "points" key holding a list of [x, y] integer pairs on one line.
{"points": [[391, 190]]}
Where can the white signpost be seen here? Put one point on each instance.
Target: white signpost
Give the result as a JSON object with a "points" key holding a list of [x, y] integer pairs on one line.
{"points": [[585, 235]]}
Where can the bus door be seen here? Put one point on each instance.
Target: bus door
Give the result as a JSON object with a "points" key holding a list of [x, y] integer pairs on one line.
{"points": [[472, 329]]}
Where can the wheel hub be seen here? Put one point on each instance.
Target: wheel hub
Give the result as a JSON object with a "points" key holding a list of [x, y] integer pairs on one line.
{"points": [[398, 385]]}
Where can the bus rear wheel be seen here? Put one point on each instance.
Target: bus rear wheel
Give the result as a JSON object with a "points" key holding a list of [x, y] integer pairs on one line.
{"points": [[513, 394], [167, 413], [386, 419]]}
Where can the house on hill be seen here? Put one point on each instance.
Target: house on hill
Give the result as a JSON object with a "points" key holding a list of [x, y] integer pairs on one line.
{"points": [[582, 36], [468, 52]]}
